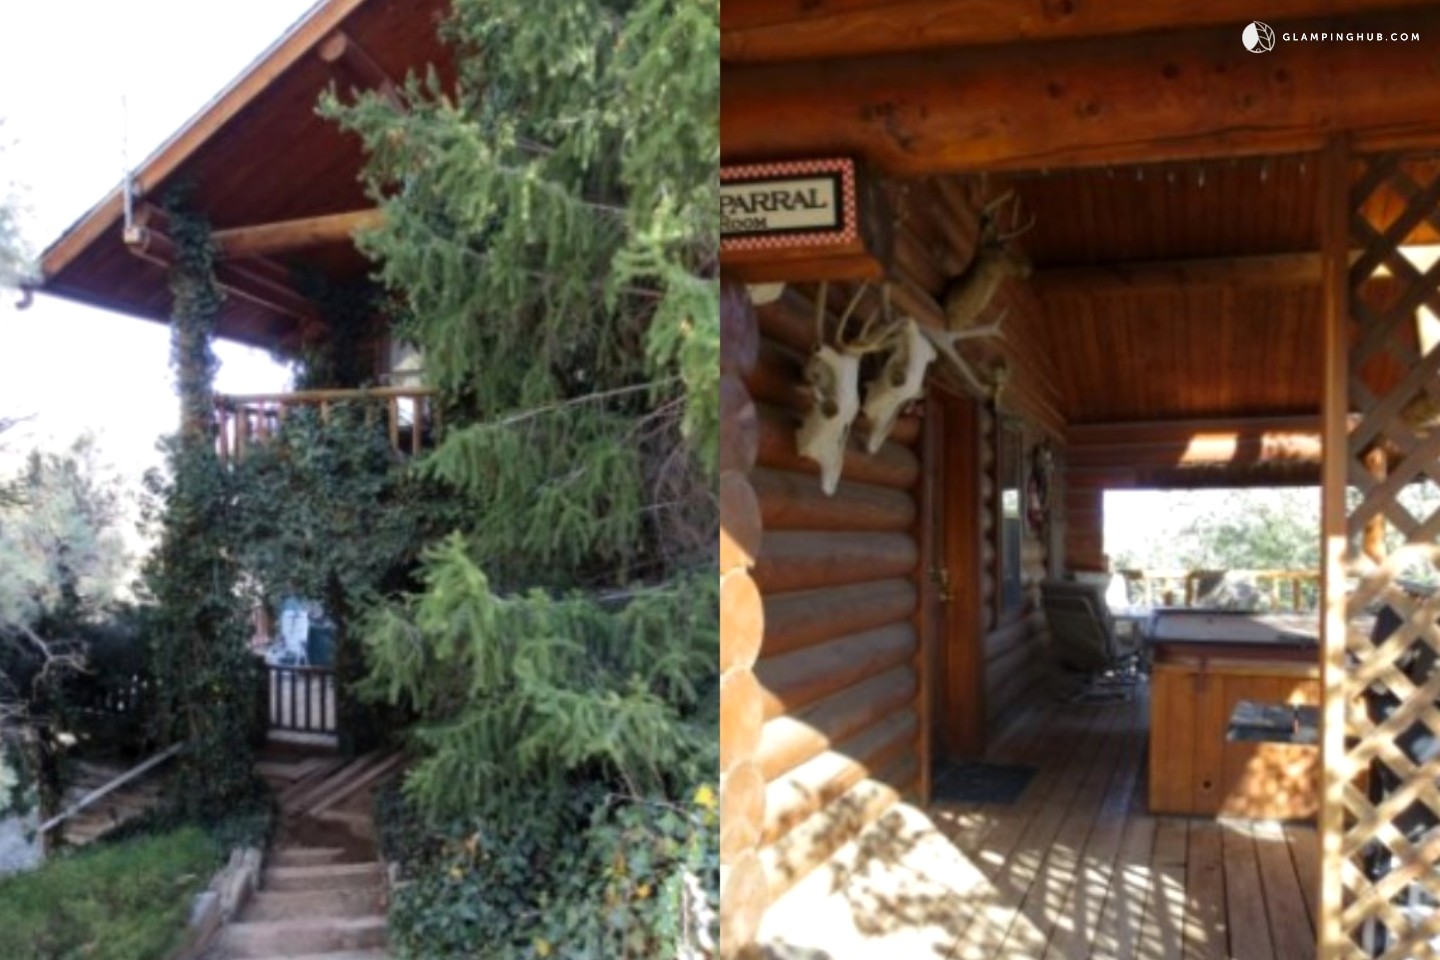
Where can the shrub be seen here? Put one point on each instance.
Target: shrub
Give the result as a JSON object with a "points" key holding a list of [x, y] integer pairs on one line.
{"points": [[123, 901]]}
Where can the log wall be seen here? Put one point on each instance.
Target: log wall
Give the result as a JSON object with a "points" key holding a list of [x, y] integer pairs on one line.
{"points": [[1016, 644], [743, 888], [838, 672]]}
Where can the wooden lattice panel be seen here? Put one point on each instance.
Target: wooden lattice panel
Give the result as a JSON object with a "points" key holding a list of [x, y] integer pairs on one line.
{"points": [[1382, 822]]}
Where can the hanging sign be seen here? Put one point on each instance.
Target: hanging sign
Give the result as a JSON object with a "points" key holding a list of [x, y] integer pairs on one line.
{"points": [[798, 220]]}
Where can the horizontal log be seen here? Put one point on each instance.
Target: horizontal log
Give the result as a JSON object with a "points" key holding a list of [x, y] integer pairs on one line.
{"points": [[742, 620], [263, 283], [892, 466], [794, 621], [787, 742], [286, 236], [1180, 95], [741, 530], [796, 680], [807, 559], [742, 716], [789, 501], [1211, 448], [789, 320], [823, 779], [742, 811], [767, 30], [809, 845]]}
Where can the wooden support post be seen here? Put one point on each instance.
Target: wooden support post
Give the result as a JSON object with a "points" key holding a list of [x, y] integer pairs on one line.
{"points": [[1334, 218]]}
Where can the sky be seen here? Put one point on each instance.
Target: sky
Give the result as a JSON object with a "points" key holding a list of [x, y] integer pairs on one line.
{"points": [[64, 67]]}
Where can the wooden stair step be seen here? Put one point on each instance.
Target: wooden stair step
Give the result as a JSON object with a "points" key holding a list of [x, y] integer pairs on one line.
{"points": [[333, 876], [372, 954], [304, 798], [363, 778], [305, 856], [294, 905], [289, 937]]}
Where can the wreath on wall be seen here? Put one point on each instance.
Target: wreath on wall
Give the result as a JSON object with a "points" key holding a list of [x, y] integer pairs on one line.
{"points": [[1038, 488]]}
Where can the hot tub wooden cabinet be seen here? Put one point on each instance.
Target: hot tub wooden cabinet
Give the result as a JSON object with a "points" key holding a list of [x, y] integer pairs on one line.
{"points": [[1205, 663]]}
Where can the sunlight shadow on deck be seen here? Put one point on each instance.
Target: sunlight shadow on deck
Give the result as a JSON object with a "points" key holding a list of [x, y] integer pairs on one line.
{"points": [[894, 893]]}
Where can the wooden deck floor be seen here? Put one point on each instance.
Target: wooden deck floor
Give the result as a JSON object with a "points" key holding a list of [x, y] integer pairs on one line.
{"points": [[1075, 868]]}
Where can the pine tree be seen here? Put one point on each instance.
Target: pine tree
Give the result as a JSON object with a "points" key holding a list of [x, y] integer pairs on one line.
{"points": [[550, 242]]}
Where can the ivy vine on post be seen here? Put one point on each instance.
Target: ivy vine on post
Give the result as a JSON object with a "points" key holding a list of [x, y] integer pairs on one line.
{"points": [[207, 680]]}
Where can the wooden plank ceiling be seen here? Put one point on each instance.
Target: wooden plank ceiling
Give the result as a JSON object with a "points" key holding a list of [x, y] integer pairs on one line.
{"points": [[1193, 347], [258, 154]]}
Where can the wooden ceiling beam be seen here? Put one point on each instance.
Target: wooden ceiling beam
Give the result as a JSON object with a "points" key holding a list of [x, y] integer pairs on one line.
{"points": [[262, 282], [347, 55], [1186, 95], [267, 239], [754, 31], [1270, 270]]}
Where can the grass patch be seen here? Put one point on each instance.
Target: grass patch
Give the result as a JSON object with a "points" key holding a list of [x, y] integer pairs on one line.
{"points": [[122, 901]]}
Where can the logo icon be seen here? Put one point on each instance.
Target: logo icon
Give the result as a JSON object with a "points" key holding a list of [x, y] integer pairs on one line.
{"points": [[1258, 37]]}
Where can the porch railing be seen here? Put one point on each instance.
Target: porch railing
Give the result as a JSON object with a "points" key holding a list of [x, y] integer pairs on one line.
{"points": [[1296, 590], [411, 416], [302, 699]]}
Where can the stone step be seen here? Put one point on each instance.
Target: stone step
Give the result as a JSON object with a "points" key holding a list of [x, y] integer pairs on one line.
{"points": [[287, 938], [329, 876], [305, 856], [296, 905]]}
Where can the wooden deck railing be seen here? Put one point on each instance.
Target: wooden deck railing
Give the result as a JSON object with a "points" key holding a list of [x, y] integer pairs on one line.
{"points": [[1285, 589], [411, 416], [301, 699]]}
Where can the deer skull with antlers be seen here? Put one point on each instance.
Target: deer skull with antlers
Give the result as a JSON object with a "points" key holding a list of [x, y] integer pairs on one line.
{"points": [[834, 377], [902, 380], [967, 296]]}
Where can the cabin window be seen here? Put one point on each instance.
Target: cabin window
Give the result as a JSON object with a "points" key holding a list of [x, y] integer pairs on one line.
{"points": [[1010, 466]]}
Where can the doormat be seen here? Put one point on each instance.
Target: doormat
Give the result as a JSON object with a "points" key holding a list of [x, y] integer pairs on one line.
{"points": [[974, 781]]}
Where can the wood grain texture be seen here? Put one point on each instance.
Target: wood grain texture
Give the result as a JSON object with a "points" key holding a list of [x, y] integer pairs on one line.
{"points": [[794, 621], [807, 559], [788, 502], [765, 30], [788, 741], [793, 681], [1180, 95]]}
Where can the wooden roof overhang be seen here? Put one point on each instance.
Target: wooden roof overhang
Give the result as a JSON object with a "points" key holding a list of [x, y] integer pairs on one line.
{"points": [[1172, 175], [279, 184]]}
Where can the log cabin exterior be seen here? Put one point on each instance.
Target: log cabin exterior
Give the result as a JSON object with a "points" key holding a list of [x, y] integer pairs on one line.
{"points": [[1218, 299]]}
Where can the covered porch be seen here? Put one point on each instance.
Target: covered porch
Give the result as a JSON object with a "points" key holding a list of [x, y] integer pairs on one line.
{"points": [[1076, 867], [1187, 300]]}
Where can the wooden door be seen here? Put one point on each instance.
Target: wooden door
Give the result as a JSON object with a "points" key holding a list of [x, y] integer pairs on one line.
{"points": [[953, 598]]}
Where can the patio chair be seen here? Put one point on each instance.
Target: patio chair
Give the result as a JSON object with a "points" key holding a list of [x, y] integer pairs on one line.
{"points": [[1083, 636]]}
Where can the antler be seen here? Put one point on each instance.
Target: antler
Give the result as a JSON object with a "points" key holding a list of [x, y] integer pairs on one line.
{"points": [[990, 216], [870, 339]]}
